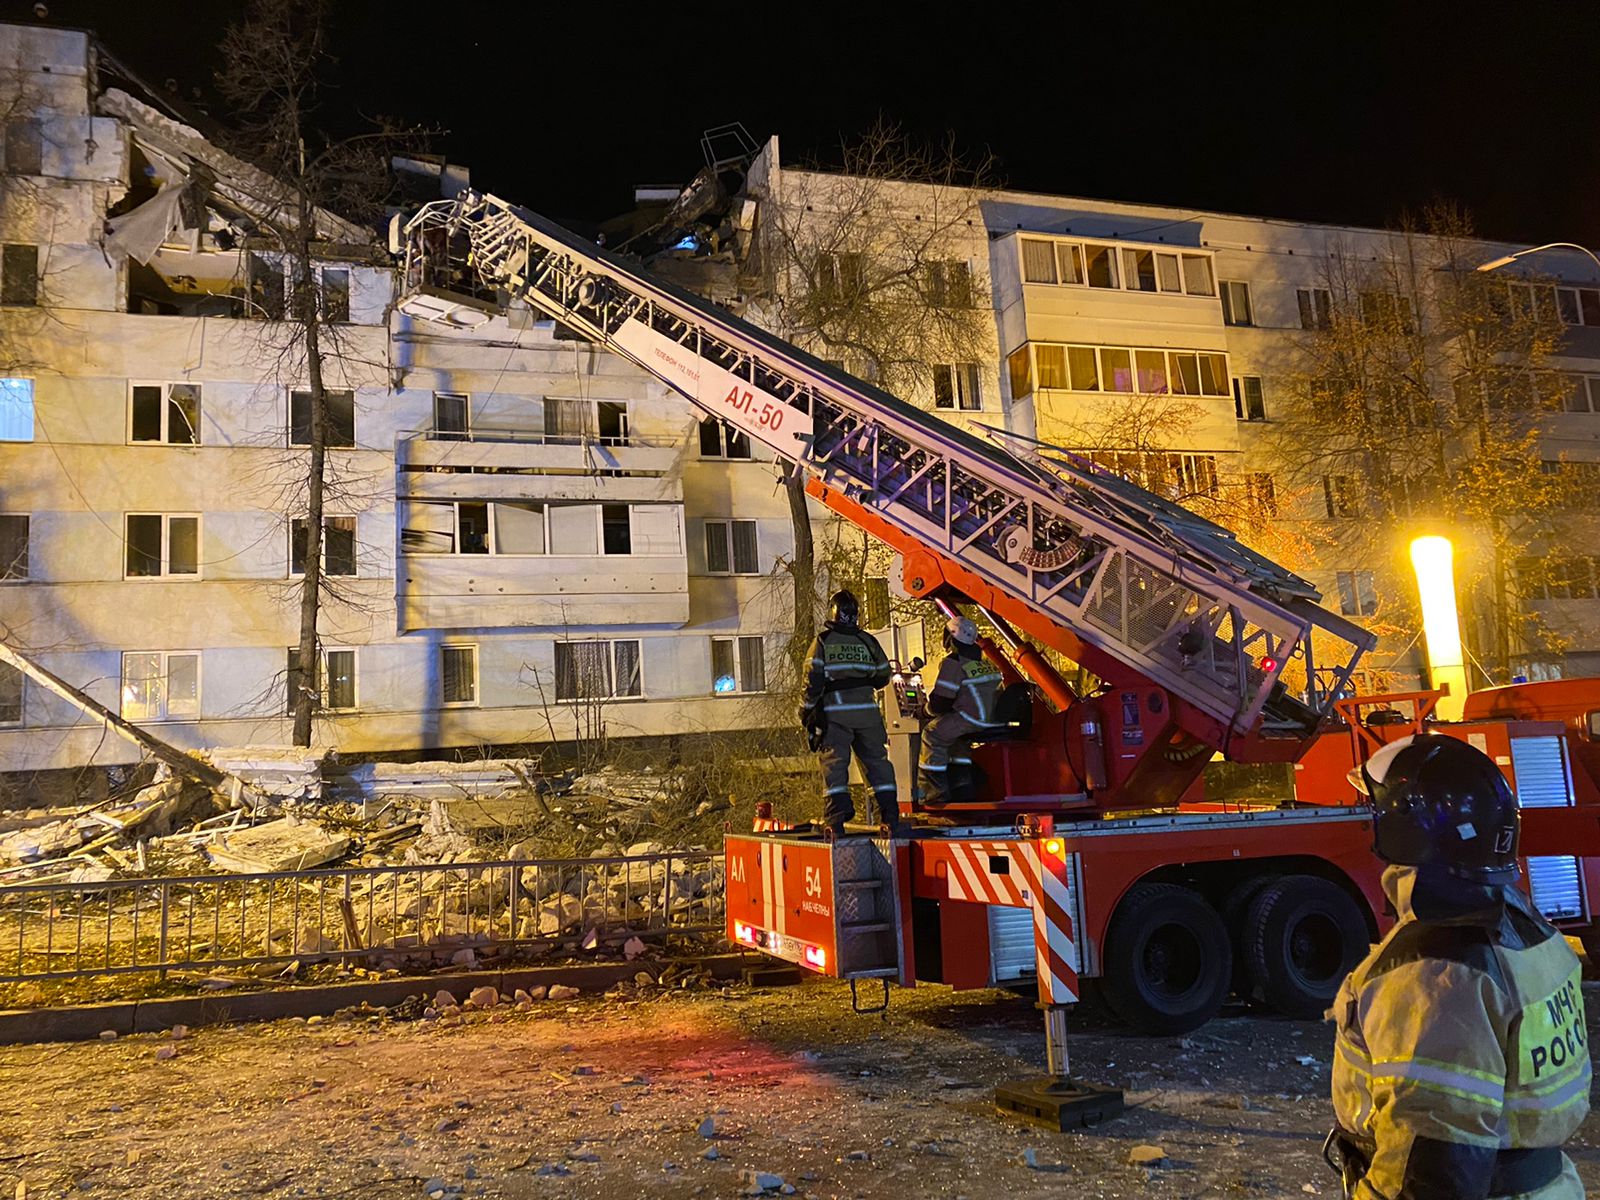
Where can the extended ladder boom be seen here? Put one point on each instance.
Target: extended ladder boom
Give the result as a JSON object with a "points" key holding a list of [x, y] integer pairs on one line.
{"points": [[1140, 579]]}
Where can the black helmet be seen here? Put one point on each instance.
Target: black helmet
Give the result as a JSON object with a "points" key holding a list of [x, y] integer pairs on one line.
{"points": [[1438, 801], [845, 609]]}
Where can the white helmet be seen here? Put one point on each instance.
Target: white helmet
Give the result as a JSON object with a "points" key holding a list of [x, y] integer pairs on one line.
{"points": [[962, 630]]}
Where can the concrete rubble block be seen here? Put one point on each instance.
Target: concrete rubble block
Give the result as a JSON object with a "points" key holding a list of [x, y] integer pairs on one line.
{"points": [[484, 997], [632, 948], [561, 991], [282, 845], [757, 1182], [1147, 1156], [560, 914]]}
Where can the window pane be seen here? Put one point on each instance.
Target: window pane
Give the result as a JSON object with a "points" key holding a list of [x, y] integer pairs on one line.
{"points": [[16, 410], [1213, 375], [143, 536], [146, 414], [341, 678], [183, 685], [710, 438], [1085, 375], [518, 528], [567, 421], [717, 557], [183, 414], [141, 686], [1236, 303], [341, 418], [1139, 269], [1183, 374], [582, 670], [628, 676], [1116, 369], [616, 531], [339, 546], [744, 548], [335, 295], [10, 695], [611, 422], [19, 275], [1038, 261], [472, 528], [1197, 275], [752, 665], [1101, 269], [1070, 257], [1052, 362], [738, 443], [1167, 271], [428, 528], [967, 397], [943, 388], [723, 679], [450, 414], [265, 280], [183, 545], [574, 529], [1152, 367], [297, 546], [1589, 300], [13, 547], [300, 418], [458, 671], [1018, 367]]}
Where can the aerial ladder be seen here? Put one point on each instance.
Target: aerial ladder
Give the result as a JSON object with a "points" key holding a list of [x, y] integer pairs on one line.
{"points": [[1081, 851]]}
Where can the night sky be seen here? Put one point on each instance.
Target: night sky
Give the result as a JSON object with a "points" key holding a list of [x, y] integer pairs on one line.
{"points": [[1351, 115]]}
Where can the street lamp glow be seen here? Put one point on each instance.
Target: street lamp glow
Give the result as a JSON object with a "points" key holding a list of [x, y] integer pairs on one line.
{"points": [[1432, 559], [1507, 259]]}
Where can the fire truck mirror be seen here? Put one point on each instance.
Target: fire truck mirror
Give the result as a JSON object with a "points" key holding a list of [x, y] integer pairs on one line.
{"points": [[1594, 726]]}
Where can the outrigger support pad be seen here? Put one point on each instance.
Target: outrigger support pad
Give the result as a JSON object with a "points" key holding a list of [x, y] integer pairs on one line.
{"points": [[1057, 1100]]}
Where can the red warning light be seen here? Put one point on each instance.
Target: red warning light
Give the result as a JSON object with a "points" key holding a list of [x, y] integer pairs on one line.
{"points": [[743, 933], [816, 957], [1054, 847], [1269, 664]]}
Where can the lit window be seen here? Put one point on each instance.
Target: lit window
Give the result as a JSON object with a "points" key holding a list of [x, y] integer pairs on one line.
{"points": [[738, 665], [160, 685]]}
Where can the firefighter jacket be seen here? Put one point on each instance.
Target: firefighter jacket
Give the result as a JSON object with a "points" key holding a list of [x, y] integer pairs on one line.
{"points": [[968, 684], [847, 666], [1460, 1063]]}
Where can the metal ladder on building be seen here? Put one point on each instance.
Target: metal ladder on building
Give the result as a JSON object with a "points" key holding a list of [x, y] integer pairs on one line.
{"points": [[1170, 595]]}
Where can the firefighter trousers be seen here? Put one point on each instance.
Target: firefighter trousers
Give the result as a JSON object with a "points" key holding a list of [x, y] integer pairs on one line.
{"points": [[946, 743], [866, 736]]}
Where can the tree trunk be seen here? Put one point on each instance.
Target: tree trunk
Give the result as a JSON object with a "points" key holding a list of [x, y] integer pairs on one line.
{"points": [[305, 679], [803, 569]]}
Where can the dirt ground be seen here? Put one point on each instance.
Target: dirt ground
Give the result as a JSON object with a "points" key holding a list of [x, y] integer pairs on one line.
{"points": [[606, 1098]]}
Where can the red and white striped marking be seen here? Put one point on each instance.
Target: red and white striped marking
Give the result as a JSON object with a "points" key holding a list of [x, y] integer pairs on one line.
{"points": [[772, 907], [770, 825], [1034, 880]]}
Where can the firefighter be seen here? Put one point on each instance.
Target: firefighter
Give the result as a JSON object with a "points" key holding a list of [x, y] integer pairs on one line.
{"points": [[961, 705], [847, 666], [1460, 1063]]}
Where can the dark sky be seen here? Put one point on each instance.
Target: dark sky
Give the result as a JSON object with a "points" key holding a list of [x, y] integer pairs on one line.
{"points": [[1350, 114]]}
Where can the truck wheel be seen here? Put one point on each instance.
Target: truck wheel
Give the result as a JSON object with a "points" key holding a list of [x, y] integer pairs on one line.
{"points": [[1235, 912], [1303, 935], [1167, 959]]}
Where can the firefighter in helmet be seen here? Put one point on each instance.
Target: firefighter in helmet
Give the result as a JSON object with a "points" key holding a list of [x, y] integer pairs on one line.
{"points": [[1460, 1063], [961, 706], [839, 708]]}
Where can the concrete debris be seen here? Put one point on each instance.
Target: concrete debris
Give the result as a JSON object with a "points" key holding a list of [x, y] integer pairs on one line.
{"points": [[758, 1182], [283, 845], [281, 772], [632, 948], [707, 1128], [1147, 1156], [712, 1154], [561, 991], [167, 1052]]}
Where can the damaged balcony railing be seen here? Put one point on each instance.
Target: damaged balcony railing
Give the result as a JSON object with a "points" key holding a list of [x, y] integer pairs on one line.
{"points": [[388, 915]]}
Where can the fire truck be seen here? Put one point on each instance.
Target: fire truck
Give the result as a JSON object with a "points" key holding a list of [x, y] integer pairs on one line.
{"points": [[1081, 851]]}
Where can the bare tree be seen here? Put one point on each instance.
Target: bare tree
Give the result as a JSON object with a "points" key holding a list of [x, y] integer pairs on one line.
{"points": [[870, 267]]}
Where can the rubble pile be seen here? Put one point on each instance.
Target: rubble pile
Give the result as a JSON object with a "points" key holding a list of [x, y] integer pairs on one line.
{"points": [[281, 772]]}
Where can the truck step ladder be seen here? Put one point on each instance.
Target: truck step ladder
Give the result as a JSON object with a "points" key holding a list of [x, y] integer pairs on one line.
{"points": [[867, 907]]}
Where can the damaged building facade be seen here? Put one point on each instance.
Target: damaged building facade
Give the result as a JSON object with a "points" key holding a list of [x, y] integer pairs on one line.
{"points": [[529, 540]]}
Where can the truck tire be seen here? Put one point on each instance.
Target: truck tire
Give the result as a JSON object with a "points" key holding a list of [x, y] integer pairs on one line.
{"points": [[1235, 912], [1303, 935], [1167, 960]]}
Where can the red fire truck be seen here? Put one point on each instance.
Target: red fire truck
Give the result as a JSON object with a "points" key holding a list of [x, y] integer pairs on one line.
{"points": [[1082, 849]]}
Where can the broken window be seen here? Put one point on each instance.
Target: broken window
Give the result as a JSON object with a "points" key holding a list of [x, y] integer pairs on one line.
{"points": [[264, 281], [1341, 495], [612, 422], [738, 665], [472, 528], [428, 528], [10, 695], [1316, 308], [598, 670], [450, 416], [24, 147], [338, 546], [955, 386], [165, 412], [339, 418], [160, 685], [161, 544], [458, 674], [718, 440], [16, 410], [335, 295], [19, 274], [1102, 266], [13, 547], [616, 531]]}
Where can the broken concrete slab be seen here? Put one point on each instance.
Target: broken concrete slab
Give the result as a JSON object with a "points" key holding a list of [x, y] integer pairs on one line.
{"points": [[282, 845]]}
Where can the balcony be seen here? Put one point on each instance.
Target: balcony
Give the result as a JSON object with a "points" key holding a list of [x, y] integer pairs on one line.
{"points": [[512, 464]]}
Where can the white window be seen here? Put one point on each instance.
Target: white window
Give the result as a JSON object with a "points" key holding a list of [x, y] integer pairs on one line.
{"points": [[11, 687], [1358, 594], [339, 421], [164, 412], [335, 683], [738, 665], [13, 546], [731, 548], [955, 386], [161, 685], [720, 440], [338, 546], [16, 410], [1248, 402], [19, 274], [598, 670], [458, 674], [451, 416], [537, 527], [1038, 260], [1316, 308], [1236, 303], [160, 544], [1197, 277], [333, 294]]}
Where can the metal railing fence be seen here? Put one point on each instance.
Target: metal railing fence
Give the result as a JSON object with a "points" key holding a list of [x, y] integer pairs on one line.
{"points": [[375, 914]]}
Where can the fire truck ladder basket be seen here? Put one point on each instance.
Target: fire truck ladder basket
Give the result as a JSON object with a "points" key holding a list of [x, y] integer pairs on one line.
{"points": [[1163, 591]]}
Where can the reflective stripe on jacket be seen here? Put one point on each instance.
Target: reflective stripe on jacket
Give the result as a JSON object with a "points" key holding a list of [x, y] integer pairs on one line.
{"points": [[847, 666], [1459, 1039], [968, 684]]}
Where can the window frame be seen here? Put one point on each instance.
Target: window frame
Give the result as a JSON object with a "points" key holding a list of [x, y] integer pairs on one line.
{"points": [[22, 698], [477, 682], [27, 551], [1230, 311], [288, 424], [957, 375], [1216, 374], [1341, 499], [355, 553], [1080, 252], [6, 391], [1359, 600], [725, 433], [1309, 300], [166, 387], [611, 645], [323, 676], [736, 642], [464, 434], [1241, 407], [166, 546], [33, 143], [727, 524], [166, 716], [5, 273]]}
